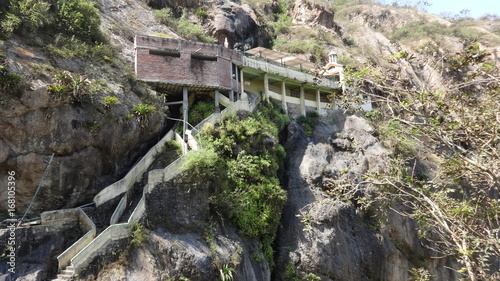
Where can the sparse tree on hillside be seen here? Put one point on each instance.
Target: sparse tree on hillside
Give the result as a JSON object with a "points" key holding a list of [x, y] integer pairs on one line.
{"points": [[458, 208]]}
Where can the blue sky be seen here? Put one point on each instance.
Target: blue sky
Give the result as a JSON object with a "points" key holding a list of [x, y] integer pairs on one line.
{"points": [[477, 8]]}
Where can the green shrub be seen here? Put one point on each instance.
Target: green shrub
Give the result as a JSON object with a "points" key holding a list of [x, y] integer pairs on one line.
{"points": [[11, 83], [73, 87], [394, 136], [109, 101], [348, 41], [79, 18], [10, 24], [92, 125], [308, 121], [25, 15], [199, 111], [373, 115], [138, 235], [420, 30], [72, 47], [238, 157], [201, 162], [301, 47], [226, 273], [57, 89], [143, 111], [282, 24], [290, 272], [182, 26], [469, 33], [165, 16], [202, 14], [173, 146], [191, 31]]}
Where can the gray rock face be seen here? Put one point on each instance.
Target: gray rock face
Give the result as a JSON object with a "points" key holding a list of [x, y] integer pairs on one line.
{"points": [[93, 146], [188, 242], [324, 236], [37, 250], [308, 13], [238, 24]]}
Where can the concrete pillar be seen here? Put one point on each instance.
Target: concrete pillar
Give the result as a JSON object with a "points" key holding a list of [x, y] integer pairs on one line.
{"points": [[231, 96], [283, 96], [242, 83], [216, 98], [185, 108], [266, 87], [302, 101], [341, 79], [318, 100]]}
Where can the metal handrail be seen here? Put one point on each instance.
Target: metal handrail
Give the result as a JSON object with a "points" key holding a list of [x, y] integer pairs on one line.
{"points": [[175, 119]]}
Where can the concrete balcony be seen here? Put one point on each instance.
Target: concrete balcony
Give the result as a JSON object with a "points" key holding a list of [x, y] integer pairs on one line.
{"points": [[287, 73]]}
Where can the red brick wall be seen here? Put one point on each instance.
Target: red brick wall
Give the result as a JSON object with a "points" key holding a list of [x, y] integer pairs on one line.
{"points": [[184, 69]]}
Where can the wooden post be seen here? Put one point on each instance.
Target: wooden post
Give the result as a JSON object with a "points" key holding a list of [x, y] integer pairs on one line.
{"points": [[231, 96]]}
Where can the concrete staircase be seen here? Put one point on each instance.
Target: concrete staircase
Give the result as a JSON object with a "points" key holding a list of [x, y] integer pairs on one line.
{"points": [[66, 274], [117, 231]]}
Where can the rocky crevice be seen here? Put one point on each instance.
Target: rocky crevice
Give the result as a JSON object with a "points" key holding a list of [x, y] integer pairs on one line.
{"points": [[324, 235]]}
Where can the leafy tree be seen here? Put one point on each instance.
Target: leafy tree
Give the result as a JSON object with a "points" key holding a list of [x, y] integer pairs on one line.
{"points": [[458, 209]]}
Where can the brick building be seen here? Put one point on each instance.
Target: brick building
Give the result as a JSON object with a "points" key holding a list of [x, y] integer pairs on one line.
{"points": [[171, 65], [182, 69]]}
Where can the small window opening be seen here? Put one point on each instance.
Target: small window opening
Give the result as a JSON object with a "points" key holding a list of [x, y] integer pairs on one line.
{"points": [[165, 53]]}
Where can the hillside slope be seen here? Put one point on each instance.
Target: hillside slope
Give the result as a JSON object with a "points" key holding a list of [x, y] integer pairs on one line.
{"points": [[327, 231]]}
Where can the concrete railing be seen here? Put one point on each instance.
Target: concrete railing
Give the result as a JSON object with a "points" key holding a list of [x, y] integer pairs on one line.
{"points": [[289, 73], [114, 232], [232, 108], [163, 175], [83, 220], [122, 205], [117, 232], [139, 211], [98, 246], [184, 145], [134, 175]]}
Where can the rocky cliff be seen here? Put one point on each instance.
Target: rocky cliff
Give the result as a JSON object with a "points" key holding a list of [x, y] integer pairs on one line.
{"points": [[94, 143], [322, 236]]}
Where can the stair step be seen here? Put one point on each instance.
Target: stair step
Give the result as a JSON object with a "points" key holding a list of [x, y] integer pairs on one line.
{"points": [[67, 272], [70, 267], [64, 276]]}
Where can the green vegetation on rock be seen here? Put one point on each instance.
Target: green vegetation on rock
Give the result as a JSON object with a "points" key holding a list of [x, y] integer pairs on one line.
{"points": [[199, 111], [242, 157], [11, 83], [182, 26], [454, 131]]}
